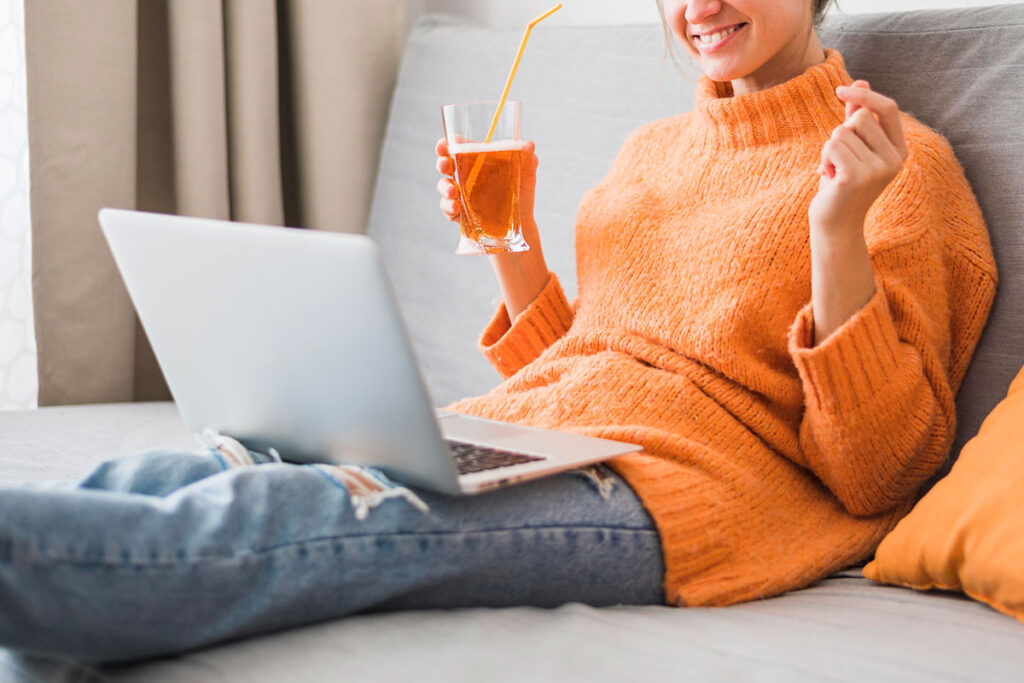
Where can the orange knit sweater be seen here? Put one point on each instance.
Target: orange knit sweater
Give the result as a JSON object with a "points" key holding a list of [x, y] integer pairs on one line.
{"points": [[768, 463]]}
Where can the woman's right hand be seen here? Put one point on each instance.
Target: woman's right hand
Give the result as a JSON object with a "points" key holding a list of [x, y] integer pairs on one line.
{"points": [[527, 185], [521, 276]]}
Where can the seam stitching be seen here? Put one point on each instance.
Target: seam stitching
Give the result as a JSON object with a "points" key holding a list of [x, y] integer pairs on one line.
{"points": [[209, 559]]}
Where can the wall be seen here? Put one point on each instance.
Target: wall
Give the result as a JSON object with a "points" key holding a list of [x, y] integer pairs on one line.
{"points": [[18, 382], [509, 14]]}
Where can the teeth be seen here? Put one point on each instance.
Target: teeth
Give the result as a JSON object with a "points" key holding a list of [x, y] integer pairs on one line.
{"points": [[715, 37]]}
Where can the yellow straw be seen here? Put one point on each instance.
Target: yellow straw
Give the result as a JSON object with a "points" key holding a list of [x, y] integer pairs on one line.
{"points": [[508, 86], [515, 66]]}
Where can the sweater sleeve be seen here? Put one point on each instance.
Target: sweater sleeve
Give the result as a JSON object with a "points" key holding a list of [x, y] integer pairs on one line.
{"points": [[879, 416], [510, 346]]}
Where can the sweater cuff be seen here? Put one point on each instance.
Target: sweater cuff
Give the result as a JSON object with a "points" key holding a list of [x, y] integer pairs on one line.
{"points": [[853, 363], [511, 346]]}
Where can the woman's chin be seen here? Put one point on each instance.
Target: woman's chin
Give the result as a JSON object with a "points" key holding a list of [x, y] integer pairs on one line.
{"points": [[723, 70]]}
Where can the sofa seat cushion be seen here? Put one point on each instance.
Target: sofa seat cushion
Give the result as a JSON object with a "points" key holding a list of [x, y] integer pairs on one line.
{"points": [[844, 628]]}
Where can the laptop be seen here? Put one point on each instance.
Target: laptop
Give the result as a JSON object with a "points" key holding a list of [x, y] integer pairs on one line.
{"points": [[292, 339]]}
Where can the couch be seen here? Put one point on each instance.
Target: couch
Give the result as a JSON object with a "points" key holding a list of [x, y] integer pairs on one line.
{"points": [[584, 89]]}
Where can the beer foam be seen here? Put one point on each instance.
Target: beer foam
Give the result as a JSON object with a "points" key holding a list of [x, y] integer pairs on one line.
{"points": [[477, 147]]}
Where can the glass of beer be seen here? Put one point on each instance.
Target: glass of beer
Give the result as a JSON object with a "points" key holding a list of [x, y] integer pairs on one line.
{"points": [[487, 175]]}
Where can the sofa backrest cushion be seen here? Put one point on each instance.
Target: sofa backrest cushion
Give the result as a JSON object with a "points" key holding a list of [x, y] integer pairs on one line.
{"points": [[959, 71], [586, 88]]}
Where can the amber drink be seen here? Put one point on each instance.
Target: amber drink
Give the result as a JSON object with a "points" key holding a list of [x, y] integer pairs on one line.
{"points": [[487, 175], [490, 205]]}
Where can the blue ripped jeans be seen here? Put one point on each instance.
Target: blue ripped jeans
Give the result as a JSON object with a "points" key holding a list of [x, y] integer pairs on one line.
{"points": [[166, 551]]}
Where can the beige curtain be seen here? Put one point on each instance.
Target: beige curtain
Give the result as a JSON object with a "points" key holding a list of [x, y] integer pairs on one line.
{"points": [[267, 111]]}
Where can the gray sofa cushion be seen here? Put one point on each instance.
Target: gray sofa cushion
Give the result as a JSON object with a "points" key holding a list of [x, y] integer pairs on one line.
{"points": [[586, 88], [842, 629], [967, 67]]}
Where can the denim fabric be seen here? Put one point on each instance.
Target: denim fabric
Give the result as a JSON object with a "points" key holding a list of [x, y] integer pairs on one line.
{"points": [[163, 551]]}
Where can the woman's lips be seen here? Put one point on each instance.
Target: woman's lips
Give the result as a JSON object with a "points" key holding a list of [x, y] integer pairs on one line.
{"points": [[708, 48]]}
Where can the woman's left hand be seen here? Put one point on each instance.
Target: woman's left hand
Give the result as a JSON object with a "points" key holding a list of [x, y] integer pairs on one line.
{"points": [[861, 158]]}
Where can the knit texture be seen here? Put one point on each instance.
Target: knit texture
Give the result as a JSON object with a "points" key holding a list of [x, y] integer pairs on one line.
{"points": [[768, 463]]}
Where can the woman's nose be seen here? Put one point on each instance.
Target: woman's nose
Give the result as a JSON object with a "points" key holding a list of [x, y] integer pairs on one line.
{"points": [[698, 11]]}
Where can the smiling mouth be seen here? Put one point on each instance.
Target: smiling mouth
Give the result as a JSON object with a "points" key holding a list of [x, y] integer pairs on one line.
{"points": [[718, 36]]}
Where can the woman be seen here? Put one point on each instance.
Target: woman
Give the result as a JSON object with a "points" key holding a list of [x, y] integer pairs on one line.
{"points": [[779, 294]]}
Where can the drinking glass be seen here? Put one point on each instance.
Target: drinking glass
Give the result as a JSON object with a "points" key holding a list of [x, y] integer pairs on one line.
{"points": [[487, 175]]}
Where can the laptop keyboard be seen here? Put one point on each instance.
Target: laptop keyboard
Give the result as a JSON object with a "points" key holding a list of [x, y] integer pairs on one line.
{"points": [[470, 457]]}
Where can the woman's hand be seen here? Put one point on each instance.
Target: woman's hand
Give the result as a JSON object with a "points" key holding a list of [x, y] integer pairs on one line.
{"points": [[861, 158], [523, 275]]}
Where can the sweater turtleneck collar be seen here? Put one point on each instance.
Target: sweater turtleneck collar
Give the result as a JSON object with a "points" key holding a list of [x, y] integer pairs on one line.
{"points": [[805, 105]]}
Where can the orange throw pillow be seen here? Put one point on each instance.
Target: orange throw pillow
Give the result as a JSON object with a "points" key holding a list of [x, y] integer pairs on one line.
{"points": [[967, 533]]}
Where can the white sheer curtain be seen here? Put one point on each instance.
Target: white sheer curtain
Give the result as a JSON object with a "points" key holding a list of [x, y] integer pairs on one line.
{"points": [[18, 379]]}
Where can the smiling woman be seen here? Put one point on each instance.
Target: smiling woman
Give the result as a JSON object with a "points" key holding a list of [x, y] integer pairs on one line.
{"points": [[783, 247], [779, 291]]}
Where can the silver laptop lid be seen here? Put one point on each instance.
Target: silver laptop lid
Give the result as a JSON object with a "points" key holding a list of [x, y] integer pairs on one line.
{"points": [[283, 338]]}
